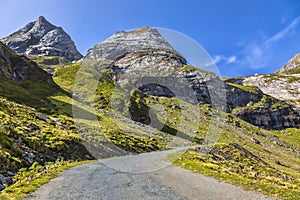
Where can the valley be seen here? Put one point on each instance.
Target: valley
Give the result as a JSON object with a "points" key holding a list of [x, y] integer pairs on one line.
{"points": [[134, 94]]}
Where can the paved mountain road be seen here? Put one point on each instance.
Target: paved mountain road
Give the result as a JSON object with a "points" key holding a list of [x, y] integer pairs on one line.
{"points": [[145, 176]]}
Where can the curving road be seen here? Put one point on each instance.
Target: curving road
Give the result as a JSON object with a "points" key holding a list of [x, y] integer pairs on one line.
{"points": [[144, 176]]}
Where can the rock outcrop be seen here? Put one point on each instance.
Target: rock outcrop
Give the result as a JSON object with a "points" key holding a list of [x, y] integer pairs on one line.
{"points": [[269, 113], [20, 68], [44, 39], [281, 86], [281, 109], [143, 59]]}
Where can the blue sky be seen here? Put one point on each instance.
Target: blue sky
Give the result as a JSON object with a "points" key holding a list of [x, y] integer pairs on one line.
{"points": [[243, 37]]}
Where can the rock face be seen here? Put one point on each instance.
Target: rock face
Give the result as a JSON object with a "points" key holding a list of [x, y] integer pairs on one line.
{"points": [[269, 113], [292, 67], [20, 68], [282, 108], [281, 86], [239, 97], [142, 58], [44, 39]]}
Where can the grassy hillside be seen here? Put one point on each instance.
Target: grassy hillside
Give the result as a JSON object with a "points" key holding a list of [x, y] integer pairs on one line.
{"points": [[38, 126], [266, 161], [49, 63]]}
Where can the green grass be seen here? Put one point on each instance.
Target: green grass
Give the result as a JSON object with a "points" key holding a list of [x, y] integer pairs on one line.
{"points": [[252, 89], [236, 165], [36, 120], [291, 136], [189, 68], [23, 127], [30, 93], [65, 75], [28, 180], [267, 167], [49, 63]]}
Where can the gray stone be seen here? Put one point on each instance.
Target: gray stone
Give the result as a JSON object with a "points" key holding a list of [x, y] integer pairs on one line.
{"points": [[10, 173]]}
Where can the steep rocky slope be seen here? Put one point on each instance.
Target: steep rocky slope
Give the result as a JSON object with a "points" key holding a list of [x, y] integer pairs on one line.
{"points": [[122, 43], [145, 59], [272, 108], [42, 38], [20, 68], [284, 84]]}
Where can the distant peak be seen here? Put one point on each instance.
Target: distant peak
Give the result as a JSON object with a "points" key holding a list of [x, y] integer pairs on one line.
{"points": [[42, 38], [43, 20], [292, 66]]}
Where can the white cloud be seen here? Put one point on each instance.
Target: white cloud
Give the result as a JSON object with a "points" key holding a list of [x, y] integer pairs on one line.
{"points": [[227, 60], [231, 59], [217, 59], [257, 54], [283, 33]]}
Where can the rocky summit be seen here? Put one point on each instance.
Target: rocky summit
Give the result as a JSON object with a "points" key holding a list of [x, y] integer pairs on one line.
{"points": [[292, 67], [44, 39], [122, 43]]}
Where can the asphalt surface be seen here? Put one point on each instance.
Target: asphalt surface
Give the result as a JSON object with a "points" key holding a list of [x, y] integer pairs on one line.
{"points": [[145, 176]]}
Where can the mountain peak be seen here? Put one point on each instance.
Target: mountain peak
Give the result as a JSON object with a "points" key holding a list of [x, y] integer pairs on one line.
{"points": [[292, 67], [43, 39], [124, 42], [42, 19]]}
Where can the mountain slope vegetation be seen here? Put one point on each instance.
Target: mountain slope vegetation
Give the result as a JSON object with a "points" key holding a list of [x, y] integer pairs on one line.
{"points": [[128, 98]]}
